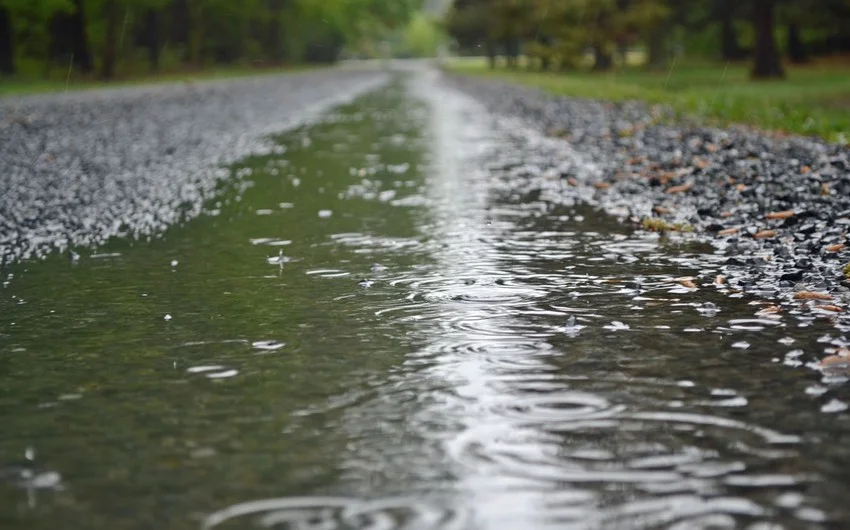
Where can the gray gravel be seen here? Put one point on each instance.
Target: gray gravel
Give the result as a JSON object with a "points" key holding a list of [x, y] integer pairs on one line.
{"points": [[79, 168], [715, 181]]}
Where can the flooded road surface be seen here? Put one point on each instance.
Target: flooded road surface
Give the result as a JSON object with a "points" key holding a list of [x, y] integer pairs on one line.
{"points": [[399, 323]]}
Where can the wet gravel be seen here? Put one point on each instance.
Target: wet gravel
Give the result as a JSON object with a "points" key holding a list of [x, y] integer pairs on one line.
{"points": [[79, 168], [775, 209]]}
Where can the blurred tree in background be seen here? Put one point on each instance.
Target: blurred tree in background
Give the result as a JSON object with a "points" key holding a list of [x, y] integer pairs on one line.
{"points": [[563, 34], [109, 38]]}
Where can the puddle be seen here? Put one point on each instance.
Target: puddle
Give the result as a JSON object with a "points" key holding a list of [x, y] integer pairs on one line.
{"points": [[395, 321]]}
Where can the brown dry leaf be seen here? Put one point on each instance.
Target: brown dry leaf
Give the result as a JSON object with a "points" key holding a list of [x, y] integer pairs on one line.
{"points": [[688, 283], [830, 307], [764, 234], [805, 170], [601, 185], [811, 295], [700, 162], [712, 148], [833, 360], [824, 189], [838, 247], [680, 188], [726, 214], [661, 210], [572, 181], [770, 310], [741, 187], [637, 160], [781, 215], [720, 280], [728, 231]]}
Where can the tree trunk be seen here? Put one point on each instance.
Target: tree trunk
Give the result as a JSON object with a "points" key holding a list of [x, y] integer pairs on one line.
{"points": [[179, 26], [602, 60], [730, 48], [81, 50], [153, 40], [657, 59], [196, 33], [767, 62], [796, 49], [110, 46], [491, 54], [273, 40], [7, 43], [512, 52]]}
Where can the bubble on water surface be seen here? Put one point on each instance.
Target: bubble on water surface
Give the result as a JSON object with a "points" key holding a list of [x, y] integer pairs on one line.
{"points": [[834, 406], [267, 345]]}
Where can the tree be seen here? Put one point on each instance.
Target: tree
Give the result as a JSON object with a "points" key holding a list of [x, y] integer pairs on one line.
{"points": [[109, 50], [767, 62], [7, 42]]}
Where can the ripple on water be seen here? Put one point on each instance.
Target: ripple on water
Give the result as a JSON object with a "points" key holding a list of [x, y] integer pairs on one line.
{"points": [[340, 513]]}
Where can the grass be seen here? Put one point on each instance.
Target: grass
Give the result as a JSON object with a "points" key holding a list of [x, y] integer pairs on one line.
{"points": [[38, 85], [846, 271], [813, 100]]}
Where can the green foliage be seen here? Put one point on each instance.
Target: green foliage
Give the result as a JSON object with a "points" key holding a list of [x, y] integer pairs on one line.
{"points": [[422, 37], [132, 37]]}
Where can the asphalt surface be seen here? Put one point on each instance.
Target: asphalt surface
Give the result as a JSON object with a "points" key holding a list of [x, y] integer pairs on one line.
{"points": [[79, 168], [776, 209]]}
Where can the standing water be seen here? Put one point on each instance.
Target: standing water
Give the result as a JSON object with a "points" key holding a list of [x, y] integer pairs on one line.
{"points": [[398, 322]]}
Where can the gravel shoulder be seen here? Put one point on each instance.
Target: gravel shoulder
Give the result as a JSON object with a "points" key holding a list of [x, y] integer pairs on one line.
{"points": [[77, 169], [776, 210]]}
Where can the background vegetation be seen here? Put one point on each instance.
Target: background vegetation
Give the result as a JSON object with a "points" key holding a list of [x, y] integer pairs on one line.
{"points": [[105, 39], [702, 57]]}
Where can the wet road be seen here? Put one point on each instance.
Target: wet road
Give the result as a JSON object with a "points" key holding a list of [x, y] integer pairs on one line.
{"points": [[397, 321]]}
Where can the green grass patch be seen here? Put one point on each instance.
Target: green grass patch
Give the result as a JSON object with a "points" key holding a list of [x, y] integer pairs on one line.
{"points": [[11, 86], [847, 271], [813, 100]]}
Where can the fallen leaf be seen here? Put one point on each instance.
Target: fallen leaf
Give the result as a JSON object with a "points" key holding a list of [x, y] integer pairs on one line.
{"points": [[781, 215], [726, 214], [720, 280], [700, 162], [829, 307], [824, 189], [741, 187], [661, 210], [728, 231], [601, 185], [835, 248], [680, 188], [805, 170], [765, 234], [688, 283], [712, 148], [811, 295], [833, 360], [770, 310]]}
